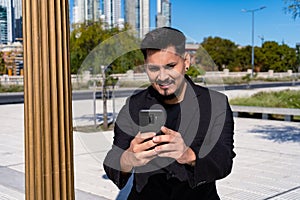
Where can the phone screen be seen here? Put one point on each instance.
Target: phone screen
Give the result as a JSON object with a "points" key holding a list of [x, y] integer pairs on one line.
{"points": [[151, 120]]}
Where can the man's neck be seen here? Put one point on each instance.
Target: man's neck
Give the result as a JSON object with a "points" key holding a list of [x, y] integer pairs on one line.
{"points": [[178, 97]]}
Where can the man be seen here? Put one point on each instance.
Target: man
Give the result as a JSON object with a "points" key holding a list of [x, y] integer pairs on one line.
{"points": [[194, 147]]}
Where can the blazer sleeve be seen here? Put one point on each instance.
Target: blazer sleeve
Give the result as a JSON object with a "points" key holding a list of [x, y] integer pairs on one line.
{"points": [[123, 134], [214, 152]]}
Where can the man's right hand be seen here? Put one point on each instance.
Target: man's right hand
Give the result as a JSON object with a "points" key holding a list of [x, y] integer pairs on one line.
{"points": [[138, 154]]}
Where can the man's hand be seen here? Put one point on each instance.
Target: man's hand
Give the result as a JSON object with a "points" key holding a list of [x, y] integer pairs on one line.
{"points": [[174, 147], [138, 154]]}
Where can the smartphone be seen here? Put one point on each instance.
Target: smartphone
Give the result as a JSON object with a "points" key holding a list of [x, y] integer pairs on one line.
{"points": [[151, 120]]}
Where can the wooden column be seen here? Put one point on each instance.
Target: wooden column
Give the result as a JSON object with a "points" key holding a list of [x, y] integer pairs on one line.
{"points": [[49, 172]]}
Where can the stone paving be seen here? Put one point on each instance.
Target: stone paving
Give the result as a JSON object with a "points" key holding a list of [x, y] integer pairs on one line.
{"points": [[267, 165]]}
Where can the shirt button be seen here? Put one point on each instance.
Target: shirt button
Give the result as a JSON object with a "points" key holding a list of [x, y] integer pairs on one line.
{"points": [[171, 174]]}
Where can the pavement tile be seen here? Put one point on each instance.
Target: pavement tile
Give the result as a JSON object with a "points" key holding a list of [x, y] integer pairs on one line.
{"points": [[7, 193]]}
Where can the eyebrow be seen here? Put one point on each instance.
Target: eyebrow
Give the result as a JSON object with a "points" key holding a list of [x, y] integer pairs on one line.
{"points": [[170, 63]]}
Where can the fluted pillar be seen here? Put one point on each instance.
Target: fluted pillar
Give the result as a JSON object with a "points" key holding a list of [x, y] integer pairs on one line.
{"points": [[49, 170]]}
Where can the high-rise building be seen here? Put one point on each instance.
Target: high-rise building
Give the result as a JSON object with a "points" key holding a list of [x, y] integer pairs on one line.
{"points": [[18, 20], [163, 17], [3, 25], [85, 10], [137, 14], [13, 19], [8, 4], [96, 10], [130, 13], [112, 13]]}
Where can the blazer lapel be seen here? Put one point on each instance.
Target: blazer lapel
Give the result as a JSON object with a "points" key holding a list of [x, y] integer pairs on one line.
{"points": [[190, 114]]}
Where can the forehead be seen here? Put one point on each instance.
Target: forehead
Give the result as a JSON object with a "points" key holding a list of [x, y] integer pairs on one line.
{"points": [[162, 56]]}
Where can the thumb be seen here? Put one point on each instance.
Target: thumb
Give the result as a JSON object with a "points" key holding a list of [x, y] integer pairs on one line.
{"points": [[166, 130]]}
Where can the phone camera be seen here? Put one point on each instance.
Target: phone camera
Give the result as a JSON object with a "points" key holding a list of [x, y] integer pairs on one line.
{"points": [[152, 119]]}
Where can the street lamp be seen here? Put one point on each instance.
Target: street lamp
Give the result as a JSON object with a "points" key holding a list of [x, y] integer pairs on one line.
{"points": [[252, 55]]}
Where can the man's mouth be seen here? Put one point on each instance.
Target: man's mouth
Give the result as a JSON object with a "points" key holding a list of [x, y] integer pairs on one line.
{"points": [[165, 85]]}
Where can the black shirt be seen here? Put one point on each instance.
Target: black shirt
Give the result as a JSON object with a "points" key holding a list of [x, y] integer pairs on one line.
{"points": [[173, 116]]}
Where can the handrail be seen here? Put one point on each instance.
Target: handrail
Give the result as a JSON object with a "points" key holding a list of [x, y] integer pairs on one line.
{"points": [[265, 111]]}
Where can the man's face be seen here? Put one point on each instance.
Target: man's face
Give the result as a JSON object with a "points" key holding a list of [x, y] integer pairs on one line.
{"points": [[166, 69]]}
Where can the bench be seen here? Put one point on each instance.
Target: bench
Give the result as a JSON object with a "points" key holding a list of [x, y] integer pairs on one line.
{"points": [[266, 111]]}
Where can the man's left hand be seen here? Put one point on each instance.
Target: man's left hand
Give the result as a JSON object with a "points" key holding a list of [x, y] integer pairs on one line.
{"points": [[173, 146]]}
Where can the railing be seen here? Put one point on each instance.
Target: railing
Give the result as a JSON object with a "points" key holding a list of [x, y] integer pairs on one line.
{"points": [[11, 80], [130, 76], [288, 113]]}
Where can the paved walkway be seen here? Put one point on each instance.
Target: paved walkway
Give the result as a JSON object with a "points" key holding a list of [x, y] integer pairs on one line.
{"points": [[267, 165]]}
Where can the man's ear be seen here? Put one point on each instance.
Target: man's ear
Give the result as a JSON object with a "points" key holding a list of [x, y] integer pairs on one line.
{"points": [[187, 61]]}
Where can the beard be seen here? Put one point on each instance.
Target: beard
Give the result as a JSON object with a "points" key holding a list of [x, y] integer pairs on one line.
{"points": [[166, 95]]}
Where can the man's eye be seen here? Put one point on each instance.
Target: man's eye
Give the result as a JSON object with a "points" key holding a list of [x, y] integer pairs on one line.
{"points": [[153, 68], [170, 66]]}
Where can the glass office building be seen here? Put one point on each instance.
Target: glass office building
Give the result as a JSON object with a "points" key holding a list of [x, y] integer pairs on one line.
{"points": [[163, 17], [3, 25], [137, 14]]}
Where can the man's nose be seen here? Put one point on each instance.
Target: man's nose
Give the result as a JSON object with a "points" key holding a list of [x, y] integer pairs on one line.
{"points": [[163, 74]]}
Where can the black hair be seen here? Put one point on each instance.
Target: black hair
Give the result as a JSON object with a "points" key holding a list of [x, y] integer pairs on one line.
{"points": [[162, 38]]}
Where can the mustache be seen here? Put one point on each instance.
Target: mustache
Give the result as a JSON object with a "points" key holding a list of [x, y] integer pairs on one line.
{"points": [[164, 82]]}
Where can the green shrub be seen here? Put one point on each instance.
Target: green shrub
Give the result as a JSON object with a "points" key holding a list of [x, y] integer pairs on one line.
{"points": [[279, 99], [11, 88]]}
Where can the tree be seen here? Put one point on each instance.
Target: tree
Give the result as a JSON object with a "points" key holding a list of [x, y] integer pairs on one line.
{"points": [[84, 38], [298, 57], [128, 61], [195, 71], [277, 57], [225, 53], [222, 51], [10, 62], [242, 59], [293, 8], [2, 64], [100, 50], [92, 46]]}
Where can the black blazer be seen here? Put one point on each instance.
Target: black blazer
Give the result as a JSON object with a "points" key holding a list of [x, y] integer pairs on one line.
{"points": [[206, 126]]}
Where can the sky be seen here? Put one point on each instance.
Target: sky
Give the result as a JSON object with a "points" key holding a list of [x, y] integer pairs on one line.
{"points": [[199, 19]]}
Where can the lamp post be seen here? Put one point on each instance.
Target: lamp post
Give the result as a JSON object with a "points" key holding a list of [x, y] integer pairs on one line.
{"points": [[252, 54], [261, 37]]}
